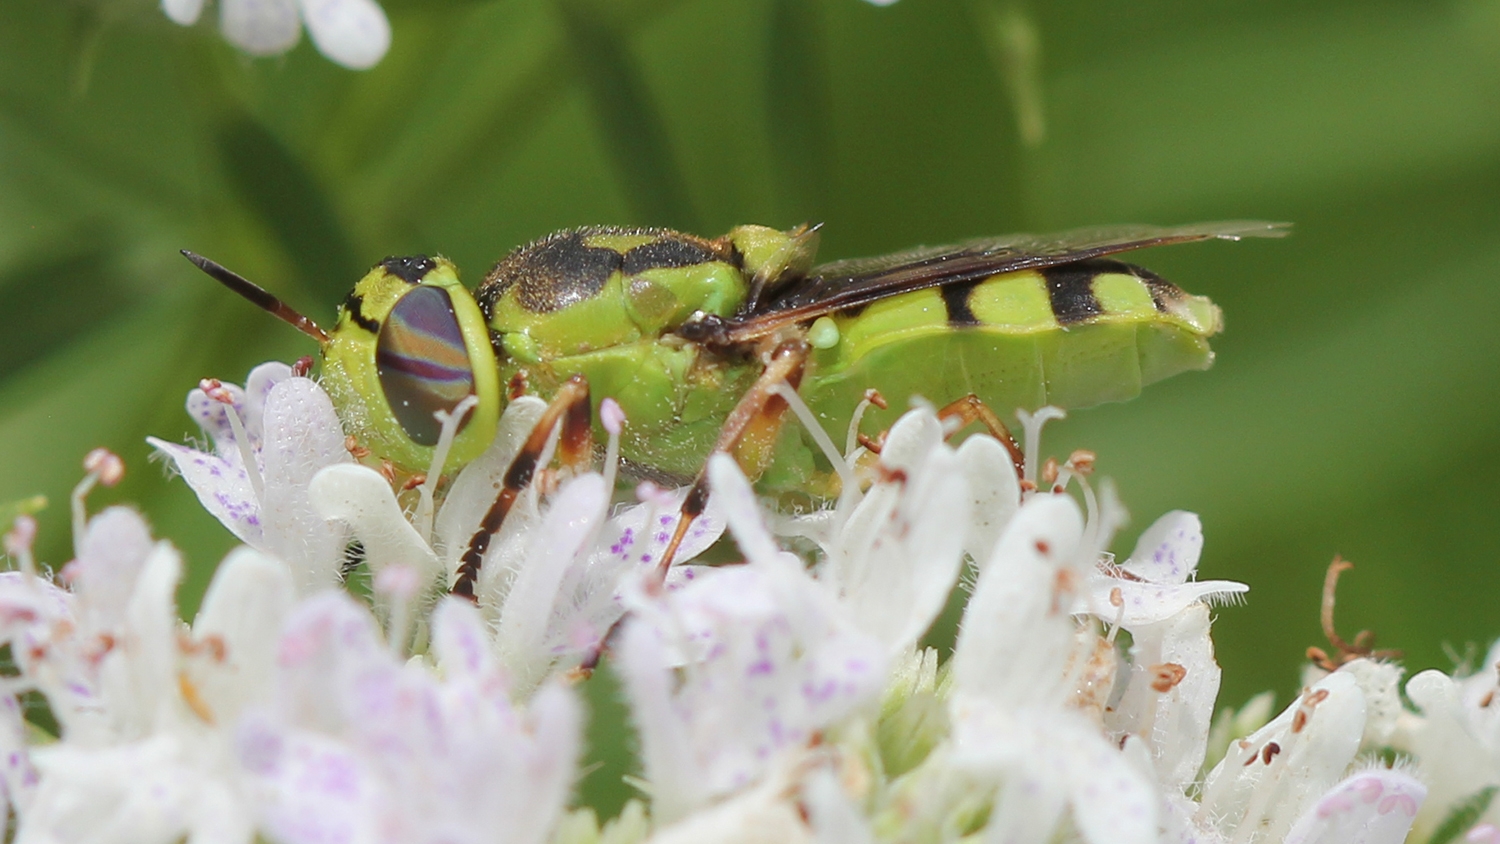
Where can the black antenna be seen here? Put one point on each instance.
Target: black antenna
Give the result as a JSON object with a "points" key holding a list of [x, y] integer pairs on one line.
{"points": [[258, 295]]}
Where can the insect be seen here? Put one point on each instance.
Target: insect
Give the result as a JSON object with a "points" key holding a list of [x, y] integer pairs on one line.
{"points": [[681, 329]]}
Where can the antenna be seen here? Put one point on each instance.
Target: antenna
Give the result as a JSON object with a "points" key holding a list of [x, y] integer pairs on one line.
{"points": [[259, 296]]}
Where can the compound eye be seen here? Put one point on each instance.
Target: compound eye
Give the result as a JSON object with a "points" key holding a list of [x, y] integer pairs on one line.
{"points": [[422, 362]]}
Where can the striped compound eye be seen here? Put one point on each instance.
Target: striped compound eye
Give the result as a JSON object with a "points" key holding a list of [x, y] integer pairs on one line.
{"points": [[422, 362]]}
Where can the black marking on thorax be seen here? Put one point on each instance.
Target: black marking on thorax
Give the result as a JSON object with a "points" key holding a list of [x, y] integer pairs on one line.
{"points": [[561, 269], [410, 268], [552, 273], [353, 306], [956, 301], [669, 252], [1070, 288]]}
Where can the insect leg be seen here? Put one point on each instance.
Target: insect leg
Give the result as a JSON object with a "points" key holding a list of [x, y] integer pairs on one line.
{"points": [[575, 445], [758, 415], [970, 409]]}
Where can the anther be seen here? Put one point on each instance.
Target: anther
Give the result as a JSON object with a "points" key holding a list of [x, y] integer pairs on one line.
{"points": [[357, 451], [1166, 677], [1081, 462], [302, 366], [106, 465], [194, 699], [1049, 472], [1269, 752]]}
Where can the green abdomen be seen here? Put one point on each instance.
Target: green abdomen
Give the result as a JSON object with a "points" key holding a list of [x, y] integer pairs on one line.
{"points": [[1070, 336]]}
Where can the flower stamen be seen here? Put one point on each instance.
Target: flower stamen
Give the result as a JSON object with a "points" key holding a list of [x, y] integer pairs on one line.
{"points": [[399, 583], [613, 417], [854, 438], [19, 541], [103, 467], [215, 389], [820, 436], [450, 422], [1031, 425]]}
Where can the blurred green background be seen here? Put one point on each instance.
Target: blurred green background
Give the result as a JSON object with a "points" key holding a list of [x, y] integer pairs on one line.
{"points": [[1353, 408]]}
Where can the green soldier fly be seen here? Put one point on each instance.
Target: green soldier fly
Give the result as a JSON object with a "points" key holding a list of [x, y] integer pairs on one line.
{"points": [[693, 336]]}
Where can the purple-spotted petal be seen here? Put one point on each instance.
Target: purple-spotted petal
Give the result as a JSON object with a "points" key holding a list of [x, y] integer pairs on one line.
{"points": [[222, 488], [1371, 807], [1168, 551]]}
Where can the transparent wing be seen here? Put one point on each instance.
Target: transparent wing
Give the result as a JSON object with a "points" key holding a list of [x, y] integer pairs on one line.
{"points": [[846, 284]]}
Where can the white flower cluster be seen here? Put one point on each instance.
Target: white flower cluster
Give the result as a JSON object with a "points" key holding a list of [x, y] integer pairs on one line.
{"points": [[774, 701], [353, 33]]}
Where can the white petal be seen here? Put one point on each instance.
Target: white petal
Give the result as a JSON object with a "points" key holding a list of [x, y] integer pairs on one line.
{"points": [[258, 385], [912, 439], [361, 498], [143, 668], [460, 639], [742, 512], [762, 815], [114, 549], [1168, 551], [528, 805], [18, 775], [309, 788], [145, 792], [329, 645], [677, 784], [996, 493], [1144, 602], [774, 663], [260, 27], [533, 599], [903, 549], [1268, 791], [1371, 807], [834, 817], [1381, 683], [1174, 724], [477, 486], [244, 609], [184, 12], [222, 488], [301, 435], [1113, 803], [354, 33], [1014, 602]]}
